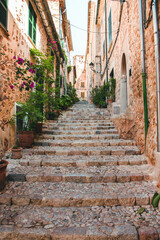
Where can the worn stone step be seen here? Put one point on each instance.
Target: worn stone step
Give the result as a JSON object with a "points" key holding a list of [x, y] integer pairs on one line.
{"points": [[80, 137], [75, 124], [75, 161], [121, 150], [67, 194], [84, 143], [80, 132], [77, 128], [104, 174], [85, 223], [70, 121]]}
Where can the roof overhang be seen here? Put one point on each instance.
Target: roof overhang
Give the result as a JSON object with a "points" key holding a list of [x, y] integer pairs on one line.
{"points": [[46, 17]]}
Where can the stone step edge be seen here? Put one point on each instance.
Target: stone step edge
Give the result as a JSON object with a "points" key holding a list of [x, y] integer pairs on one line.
{"points": [[70, 201], [79, 233], [79, 163], [80, 178], [93, 143], [86, 152]]}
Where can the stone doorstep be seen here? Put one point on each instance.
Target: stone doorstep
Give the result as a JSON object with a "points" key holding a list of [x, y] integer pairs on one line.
{"points": [[119, 232], [83, 200]]}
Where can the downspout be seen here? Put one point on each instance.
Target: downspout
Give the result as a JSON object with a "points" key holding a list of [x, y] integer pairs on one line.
{"points": [[156, 44], [143, 71]]}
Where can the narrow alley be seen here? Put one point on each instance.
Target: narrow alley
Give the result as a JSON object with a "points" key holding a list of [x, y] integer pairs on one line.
{"points": [[86, 183], [80, 119]]}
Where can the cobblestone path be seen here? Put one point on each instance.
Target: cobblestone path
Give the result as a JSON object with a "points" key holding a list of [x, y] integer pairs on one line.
{"points": [[80, 181]]}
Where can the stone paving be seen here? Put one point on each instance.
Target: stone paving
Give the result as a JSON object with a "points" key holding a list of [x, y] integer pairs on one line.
{"points": [[79, 182]]}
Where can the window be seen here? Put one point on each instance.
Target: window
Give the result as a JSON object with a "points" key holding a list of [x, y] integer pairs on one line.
{"points": [[32, 23], [82, 84], [104, 47], [82, 94], [3, 12], [110, 27]]}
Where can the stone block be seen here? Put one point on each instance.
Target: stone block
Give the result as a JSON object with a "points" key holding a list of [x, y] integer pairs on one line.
{"points": [[148, 233]]}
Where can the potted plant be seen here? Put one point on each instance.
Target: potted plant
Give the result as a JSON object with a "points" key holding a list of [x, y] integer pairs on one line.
{"points": [[112, 88], [3, 168], [30, 115], [17, 150]]}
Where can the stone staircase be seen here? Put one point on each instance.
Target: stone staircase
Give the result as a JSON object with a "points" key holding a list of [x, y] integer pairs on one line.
{"points": [[79, 182]]}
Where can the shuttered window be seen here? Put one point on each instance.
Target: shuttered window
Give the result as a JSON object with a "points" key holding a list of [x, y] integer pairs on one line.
{"points": [[82, 95], [3, 12], [32, 24], [110, 27], [82, 84]]}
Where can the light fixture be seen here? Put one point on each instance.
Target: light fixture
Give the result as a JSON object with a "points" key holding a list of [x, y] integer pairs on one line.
{"points": [[91, 65]]}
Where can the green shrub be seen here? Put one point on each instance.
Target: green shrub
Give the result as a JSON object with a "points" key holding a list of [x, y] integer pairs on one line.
{"points": [[99, 95]]}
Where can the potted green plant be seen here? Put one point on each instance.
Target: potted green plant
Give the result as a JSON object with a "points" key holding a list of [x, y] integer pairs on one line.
{"points": [[17, 150], [112, 89], [3, 168], [30, 115]]}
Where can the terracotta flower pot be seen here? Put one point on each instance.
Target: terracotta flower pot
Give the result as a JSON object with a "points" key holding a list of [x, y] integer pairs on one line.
{"points": [[26, 138], [3, 167], [109, 101], [17, 153]]}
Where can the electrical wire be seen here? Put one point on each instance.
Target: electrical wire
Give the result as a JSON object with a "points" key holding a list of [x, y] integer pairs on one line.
{"points": [[80, 27]]}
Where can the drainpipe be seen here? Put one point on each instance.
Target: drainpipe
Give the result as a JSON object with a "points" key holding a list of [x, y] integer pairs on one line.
{"points": [[143, 71], [156, 44]]}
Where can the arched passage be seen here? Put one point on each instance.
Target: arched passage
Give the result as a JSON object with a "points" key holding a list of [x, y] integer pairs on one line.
{"points": [[123, 92]]}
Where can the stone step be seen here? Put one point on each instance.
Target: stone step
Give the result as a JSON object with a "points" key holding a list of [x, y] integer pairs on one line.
{"points": [[84, 143], [75, 161], [73, 223], [80, 137], [68, 194], [77, 128], [121, 150], [79, 118], [80, 132], [75, 124], [70, 121], [103, 174]]}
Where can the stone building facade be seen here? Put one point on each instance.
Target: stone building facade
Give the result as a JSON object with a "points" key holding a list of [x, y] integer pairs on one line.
{"points": [[15, 40], [124, 63], [81, 83]]}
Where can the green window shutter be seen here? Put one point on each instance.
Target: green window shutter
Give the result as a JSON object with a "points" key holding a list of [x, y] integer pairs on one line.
{"points": [[110, 27], [32, 24], [4, 12], [104, 48]]}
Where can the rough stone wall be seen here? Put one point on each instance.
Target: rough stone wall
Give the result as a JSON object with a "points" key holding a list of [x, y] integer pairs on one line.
{"points": [[16, 43], [131, 124]]}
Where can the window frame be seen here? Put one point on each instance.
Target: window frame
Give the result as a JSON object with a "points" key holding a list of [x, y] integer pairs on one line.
{"points": [[33, 21], [6, 9]]}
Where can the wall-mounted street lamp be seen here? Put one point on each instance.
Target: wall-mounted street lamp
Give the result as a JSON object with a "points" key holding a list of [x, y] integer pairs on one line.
{"points": [[91, 65]]}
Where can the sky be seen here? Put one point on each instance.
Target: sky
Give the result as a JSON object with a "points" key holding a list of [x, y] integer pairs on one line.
{"points": [[77, 13]]}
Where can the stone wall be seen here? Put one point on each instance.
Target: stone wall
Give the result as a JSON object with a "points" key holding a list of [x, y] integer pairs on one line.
{"points": [[131, 123], [16, 42]]}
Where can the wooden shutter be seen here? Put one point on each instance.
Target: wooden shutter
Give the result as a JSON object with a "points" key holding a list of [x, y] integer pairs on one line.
{"points": [[110, 27], [3, 12], [32, 23]]}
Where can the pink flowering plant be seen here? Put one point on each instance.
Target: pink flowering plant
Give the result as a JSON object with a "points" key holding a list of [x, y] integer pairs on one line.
{"points": [[25, 71]]}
